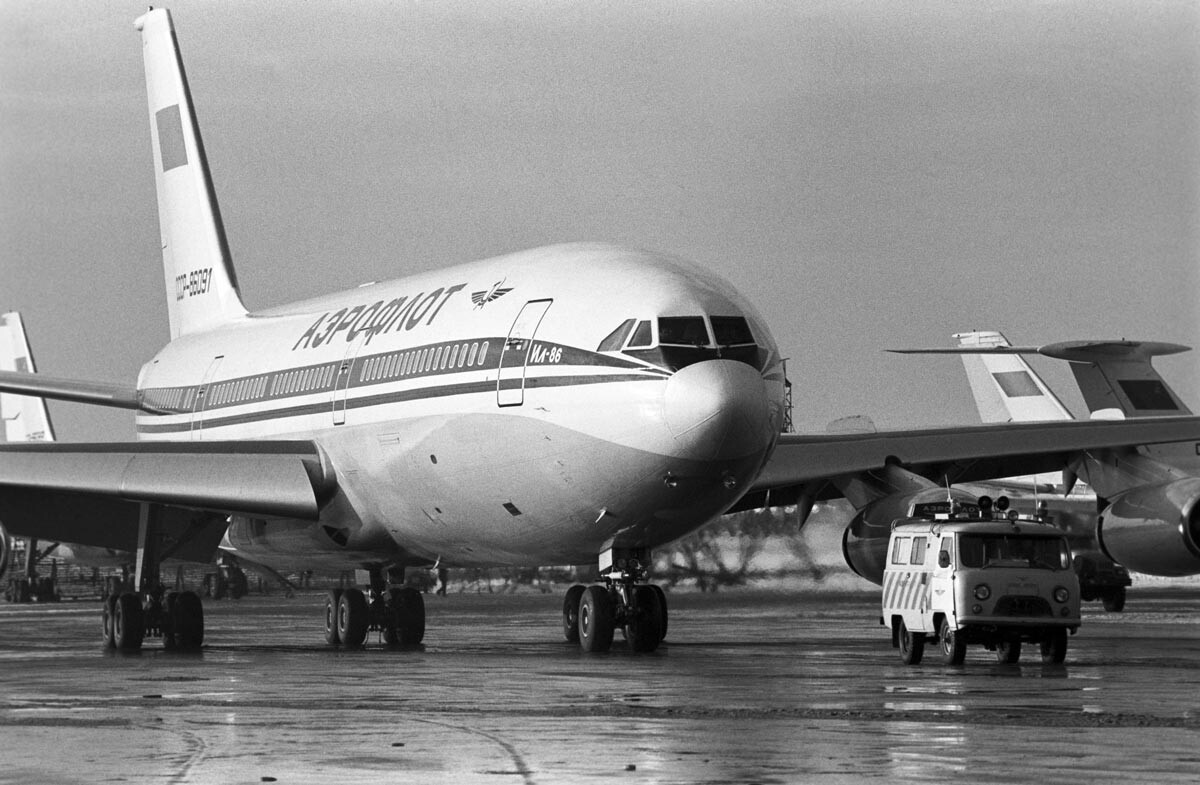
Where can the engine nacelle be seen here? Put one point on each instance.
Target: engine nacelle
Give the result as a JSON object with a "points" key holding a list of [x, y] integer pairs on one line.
{"points": [[1154, 529], [865, 541]]}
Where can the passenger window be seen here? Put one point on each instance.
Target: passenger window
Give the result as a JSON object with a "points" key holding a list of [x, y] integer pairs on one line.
{"points": [[918, 550], [616, 339], [900, 550], [641, 336]]}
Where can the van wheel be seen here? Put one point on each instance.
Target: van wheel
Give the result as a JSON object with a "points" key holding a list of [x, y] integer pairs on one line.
{"points": [[912, 647], [954, 648], [1054, 647]]}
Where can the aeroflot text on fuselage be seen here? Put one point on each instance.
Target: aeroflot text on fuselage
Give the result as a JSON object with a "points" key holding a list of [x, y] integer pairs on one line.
{"points": [[378, 317]]}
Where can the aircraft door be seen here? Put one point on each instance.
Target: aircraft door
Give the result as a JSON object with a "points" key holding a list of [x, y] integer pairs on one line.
{"points": [[202, 396], [341, 382], [510, 381]]}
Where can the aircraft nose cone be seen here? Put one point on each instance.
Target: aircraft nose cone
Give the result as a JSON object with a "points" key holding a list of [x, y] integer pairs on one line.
{"points": [[717, 409]]}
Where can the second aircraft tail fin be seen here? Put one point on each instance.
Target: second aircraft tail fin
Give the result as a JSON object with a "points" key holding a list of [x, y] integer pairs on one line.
{"points": [[1120, 376], [26, 418]]}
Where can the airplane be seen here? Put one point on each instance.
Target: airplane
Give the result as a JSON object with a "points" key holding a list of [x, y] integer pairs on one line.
{"points": [[1148, 497], [568, 404]]}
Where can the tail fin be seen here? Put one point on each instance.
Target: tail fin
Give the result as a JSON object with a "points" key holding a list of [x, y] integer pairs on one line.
{"points": [[1006, 389], [1119, 375], [25, 418], [202, 290]]}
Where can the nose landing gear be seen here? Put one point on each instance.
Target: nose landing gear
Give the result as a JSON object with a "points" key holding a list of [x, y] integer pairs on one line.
{"points": [[592, 614]]}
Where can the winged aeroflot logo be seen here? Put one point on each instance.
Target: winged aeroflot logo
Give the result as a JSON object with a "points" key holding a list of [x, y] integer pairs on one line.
{"points": [[482, 298]]}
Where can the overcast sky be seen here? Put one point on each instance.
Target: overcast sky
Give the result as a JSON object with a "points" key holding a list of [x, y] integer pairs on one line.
{"points": [[869, 174]]}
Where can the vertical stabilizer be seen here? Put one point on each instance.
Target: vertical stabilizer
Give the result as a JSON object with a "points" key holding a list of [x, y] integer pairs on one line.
{"points": [[201, 285], [1118, 376], [1005, 388], [25, 417]]}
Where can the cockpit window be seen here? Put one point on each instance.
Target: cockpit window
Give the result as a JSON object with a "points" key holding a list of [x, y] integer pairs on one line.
{"points": [[731, 330], [682, 331], [641, 336], [616, 339]]}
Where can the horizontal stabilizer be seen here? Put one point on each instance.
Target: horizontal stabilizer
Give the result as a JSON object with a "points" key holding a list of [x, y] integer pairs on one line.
{"points": [[97, 393]]}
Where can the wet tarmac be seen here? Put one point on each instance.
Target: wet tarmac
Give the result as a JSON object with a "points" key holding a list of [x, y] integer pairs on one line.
{"points": [[750, 687]]}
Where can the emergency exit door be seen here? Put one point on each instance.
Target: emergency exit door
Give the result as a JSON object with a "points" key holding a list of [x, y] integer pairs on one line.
{"points": [[510, 382]]}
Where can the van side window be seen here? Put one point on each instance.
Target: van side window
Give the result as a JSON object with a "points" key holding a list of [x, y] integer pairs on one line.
{"points": [[900, 550], [918, 550]]}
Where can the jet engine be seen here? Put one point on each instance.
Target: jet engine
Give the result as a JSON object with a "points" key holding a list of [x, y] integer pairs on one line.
{"points": [[865, 541], [1154, 529]]}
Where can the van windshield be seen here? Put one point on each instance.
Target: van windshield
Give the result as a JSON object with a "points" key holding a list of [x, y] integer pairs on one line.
{"points": [[1014, 550]]}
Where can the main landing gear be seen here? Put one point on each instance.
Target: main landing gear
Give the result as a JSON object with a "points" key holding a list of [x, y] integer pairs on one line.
{"points": [[131, 616], [592, 614], [388, 607]]}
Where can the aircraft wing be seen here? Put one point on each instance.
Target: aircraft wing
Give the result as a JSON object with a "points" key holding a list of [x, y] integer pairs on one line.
{"points": [[802, 463], [91, 493]]}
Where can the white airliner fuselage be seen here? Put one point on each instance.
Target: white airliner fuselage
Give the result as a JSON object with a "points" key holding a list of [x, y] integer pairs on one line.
{"points": [[474, 417]]}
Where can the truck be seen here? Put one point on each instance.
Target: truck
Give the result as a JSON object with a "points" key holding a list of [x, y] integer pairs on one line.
{"points": [[960, 579]]}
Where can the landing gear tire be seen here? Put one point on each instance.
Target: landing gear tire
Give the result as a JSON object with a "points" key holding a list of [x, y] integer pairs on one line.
{"points": [[662, 600], [1054, 648], [1008, 652], [128, 622], [167, 623], [571, 613], [595, 620], [353, 618], [187, 617], [1114, 601], [912, 647], [331, 617], [643, 629], [408, 609], [954, 648], [110, 610]]}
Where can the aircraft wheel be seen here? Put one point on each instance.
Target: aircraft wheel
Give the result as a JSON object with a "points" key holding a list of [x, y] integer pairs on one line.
{"points": [[128, 622], [110, 611], [644, 628], [352, 618], [1008, 652], [954, 648], [1114, 601], [1054, 647], [912, 647], [331, 616], [167, 623], [596, 619], [571, 613], [188, 619], [410, 617], [662, 601]]}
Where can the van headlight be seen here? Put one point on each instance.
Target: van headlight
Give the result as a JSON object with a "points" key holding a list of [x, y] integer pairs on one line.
{"points": [[1061, 594], [983, 591]]}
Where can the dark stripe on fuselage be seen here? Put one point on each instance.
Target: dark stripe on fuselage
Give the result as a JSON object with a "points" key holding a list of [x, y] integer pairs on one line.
{"points": [[326, 407], [420, 362]]}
